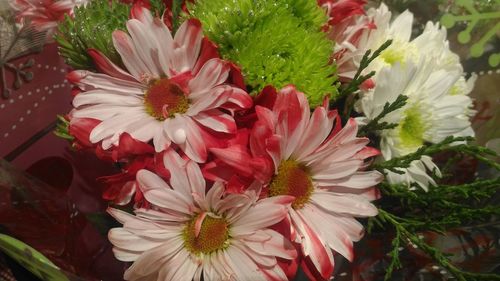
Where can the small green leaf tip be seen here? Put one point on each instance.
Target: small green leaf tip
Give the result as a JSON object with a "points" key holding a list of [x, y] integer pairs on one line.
{"points": [[274, 42], [91, 27]]}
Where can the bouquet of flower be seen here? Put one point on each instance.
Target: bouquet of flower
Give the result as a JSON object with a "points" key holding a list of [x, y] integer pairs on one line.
{"points": [[252, 134]]}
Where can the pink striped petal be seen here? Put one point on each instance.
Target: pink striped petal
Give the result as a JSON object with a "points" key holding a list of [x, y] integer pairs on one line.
{"points": [[277, 245], [106, 66], [359, 180], [146, 46], [169, 199], [132, 60], [152, 261], [259, 216], [196, 180], [218, 96], [334, 237], [194, 147], [141, 13], [336, 170], [100, 97], [344, 204], [184, 271], [313, 248], [317, 130], [243, 266], [213, 73], [148, 180], [189, 37], [178, 172], [235, 156], [87, 80], [124, 239], [217, 121]]}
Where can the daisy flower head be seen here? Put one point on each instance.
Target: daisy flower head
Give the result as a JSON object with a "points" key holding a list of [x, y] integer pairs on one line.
{"points": [[44, 15], [437, 107], [370, 31], [310, 157], [430, 45], [347, 23], [172, 91], [189, 234], [340, 10]]}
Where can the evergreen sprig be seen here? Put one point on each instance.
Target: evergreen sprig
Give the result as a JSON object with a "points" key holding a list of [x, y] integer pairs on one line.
{"points": [[442, 206], [91, 27], [274, 42], [176, 11], [406, 234], [375, 124], [359, 78], [448, 144]]}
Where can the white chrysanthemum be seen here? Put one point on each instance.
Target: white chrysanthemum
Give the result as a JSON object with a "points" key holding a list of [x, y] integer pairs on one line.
{"points": [[433, 112], [431, 43], [430, 74]]}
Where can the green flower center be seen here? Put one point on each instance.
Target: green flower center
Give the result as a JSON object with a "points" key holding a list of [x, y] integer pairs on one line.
{"points": [[412, 128], [292, 179], [393, 55], [164, 99], [213, 235]]}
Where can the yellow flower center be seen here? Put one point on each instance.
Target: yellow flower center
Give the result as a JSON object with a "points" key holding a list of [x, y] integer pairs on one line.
{"points": [[393, 55], [412, 128], [164, 99], [292, 179], [213, 235]]}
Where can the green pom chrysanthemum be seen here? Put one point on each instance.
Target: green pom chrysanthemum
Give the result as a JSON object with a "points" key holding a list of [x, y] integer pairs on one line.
{"points": [[274, 42]]}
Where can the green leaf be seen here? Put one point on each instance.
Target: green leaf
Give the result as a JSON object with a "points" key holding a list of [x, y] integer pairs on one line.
{"points": [[31, 259]]}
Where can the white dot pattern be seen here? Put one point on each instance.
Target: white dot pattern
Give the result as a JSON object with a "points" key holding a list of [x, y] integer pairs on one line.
{"points": [[46, 89]]}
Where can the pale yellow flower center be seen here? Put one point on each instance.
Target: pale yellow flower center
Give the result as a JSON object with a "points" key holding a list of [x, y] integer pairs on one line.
{"points": [[393, 55], [292, 179], [213, 235], [412, 128], [164, 99]]}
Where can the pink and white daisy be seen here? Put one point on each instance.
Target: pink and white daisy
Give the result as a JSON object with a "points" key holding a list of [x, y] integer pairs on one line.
{"points": [[189, 234], [172, 92], [347, 22], [44, 15], [322, 166]]}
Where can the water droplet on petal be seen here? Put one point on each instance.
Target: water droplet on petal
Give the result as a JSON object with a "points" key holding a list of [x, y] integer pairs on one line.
{"points": [[179, 136]]}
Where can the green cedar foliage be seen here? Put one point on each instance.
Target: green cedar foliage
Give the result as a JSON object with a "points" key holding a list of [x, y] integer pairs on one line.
{"points": [[91, 27]]}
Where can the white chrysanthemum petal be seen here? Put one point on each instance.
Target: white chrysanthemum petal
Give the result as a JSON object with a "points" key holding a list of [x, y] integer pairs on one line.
{"points": [[401, 26]]}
